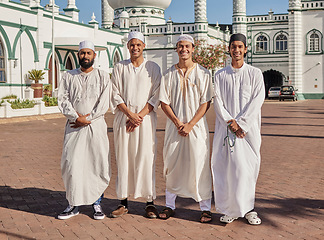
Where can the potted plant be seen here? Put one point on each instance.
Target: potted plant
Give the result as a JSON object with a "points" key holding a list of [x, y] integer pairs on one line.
{"points": [[36, 75], [47, 90]]}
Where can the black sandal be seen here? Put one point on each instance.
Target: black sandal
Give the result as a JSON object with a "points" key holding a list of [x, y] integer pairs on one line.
{"points": [[207, 215], [168, 213]]}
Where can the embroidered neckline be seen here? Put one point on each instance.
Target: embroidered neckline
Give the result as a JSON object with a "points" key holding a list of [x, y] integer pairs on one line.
{"points": [[184, 78]]}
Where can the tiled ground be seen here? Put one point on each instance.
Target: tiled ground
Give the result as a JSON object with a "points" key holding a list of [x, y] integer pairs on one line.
{"points": [[290, 196]]}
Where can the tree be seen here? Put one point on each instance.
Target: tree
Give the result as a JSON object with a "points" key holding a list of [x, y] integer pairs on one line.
{"points": [[36, 75], [209, 56]]}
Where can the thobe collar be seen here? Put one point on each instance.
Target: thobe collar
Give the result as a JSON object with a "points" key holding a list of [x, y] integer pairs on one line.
{"points": [[237, 70], [84, 73]]}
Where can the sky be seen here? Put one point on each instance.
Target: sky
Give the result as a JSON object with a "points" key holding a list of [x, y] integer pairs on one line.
{"points": [[217, 10]]}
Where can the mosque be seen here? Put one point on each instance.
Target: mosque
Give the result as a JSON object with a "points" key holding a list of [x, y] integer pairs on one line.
{"points": [[287, 47]]}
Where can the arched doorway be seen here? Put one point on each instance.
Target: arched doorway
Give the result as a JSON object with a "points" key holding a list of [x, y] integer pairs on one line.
{"points": [[272, 78], [50, 74]]}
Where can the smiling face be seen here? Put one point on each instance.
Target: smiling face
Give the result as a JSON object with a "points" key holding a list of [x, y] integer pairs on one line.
{"points": [[237, 51], [135, 48], [185, 50]]}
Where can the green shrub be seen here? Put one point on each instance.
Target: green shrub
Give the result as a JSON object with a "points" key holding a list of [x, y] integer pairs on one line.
{"points": [[50, 101], [11, 96], [19, 104]]}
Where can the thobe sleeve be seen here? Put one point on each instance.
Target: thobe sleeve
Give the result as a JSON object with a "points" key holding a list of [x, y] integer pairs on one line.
{"points": [[116, 97], [154, 99], [102, 104], [64, 102], [220, 110], [165, 90], [206, 91], [250, 112]]}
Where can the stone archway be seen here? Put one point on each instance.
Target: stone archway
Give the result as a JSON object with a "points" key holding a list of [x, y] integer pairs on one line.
{"points": [[272, 78]]}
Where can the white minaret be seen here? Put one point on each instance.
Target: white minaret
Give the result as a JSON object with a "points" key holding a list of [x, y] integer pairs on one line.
{"points": [[295, 47], [200, 11], [239, 16], [201, 24], [107, 14]]}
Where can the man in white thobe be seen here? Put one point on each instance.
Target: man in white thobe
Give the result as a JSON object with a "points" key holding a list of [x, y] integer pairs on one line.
{"points": [[83, 97], [185, 95], [239, 95], [136, 84]]}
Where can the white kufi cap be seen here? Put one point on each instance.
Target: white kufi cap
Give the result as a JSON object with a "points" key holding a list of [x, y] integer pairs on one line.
{"points": [[86, 44], [137, 35], [186, 37]]}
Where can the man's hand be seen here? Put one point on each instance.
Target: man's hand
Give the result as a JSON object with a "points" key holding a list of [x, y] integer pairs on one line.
{"points": [[186, 129], [130, 127], [81, 121], [240, 134], [234, 127], [135, 119]]}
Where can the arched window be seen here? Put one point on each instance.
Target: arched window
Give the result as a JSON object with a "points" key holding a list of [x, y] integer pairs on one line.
{"points": [[116, 58], [2, 64], [281, 42], [314, 42], [261, 44]]}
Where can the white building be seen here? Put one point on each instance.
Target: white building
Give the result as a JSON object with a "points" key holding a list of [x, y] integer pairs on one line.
{"points": [[287, 47]]}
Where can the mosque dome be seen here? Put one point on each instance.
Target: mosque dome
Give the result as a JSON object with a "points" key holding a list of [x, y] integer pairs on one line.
{"points": [[163, 4]]}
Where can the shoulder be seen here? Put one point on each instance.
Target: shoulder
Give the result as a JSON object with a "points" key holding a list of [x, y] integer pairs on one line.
{"points": [[202, 70], [152, 64], [253, 69], [72, 72], [169, 71], [122, 63], [222, 71]]}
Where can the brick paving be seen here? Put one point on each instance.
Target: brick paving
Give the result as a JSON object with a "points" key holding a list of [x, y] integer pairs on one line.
{"points": [[289, 198]]}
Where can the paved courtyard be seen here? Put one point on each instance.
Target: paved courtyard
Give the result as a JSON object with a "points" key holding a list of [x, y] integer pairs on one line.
{"points": [[289, 198]]}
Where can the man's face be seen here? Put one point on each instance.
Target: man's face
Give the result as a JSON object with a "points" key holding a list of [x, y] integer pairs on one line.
{"points": [[86, 57], [185, 50], [135, 48], [237, 50]]}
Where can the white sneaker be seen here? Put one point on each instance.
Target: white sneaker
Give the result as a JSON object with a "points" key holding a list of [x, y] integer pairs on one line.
{"points": [[69, 212], [98, 214]]}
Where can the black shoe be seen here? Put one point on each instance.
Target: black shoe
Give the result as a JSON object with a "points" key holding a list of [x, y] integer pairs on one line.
{"points": [[69, 212], [98, 214]]}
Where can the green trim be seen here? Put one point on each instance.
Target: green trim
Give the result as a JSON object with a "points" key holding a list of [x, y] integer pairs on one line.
{"points": [[111, 62], [274, 44], [313, 95], [254, 43], [32, 41], [76, 62], [144, 16], [269, 56], [111, 31], [17, 8], [17, 25], [14, 85], [166, 48], [46, 67], [7, 41], [114, 44], [71, 10], [133, 8]]}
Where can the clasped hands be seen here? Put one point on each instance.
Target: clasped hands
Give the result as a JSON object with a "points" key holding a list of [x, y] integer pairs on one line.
{"points": [[81, 121], [133, 121], [235, 128], [184, 128]]}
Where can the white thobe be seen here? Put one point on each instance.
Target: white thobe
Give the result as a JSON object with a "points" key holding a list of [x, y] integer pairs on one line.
{"points": [[239, 95], [187, 159], [135, 151], [85, 157]]}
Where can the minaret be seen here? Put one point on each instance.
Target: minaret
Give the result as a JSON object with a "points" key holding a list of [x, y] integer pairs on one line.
{"points": [[239, 16], [201, 24], [72, 10], [295, 47], [107, 14]]}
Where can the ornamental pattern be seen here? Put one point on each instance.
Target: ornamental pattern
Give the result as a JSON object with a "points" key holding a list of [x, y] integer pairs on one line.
{"points": [[200, 10]]}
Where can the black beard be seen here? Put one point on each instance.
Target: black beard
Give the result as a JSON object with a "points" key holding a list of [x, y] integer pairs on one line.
{"points": [[84, 64]]}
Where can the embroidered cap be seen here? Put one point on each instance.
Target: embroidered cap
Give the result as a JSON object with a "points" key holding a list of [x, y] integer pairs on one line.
{"points": [[137, 35], [186, 37], [86, 44]]}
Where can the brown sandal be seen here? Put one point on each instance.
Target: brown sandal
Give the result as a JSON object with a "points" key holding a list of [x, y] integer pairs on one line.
{"points": [[151, 211], [168, 213], [207, 215]]}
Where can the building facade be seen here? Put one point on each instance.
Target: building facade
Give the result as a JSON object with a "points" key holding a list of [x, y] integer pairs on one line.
{"points": [[287, 47]]}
